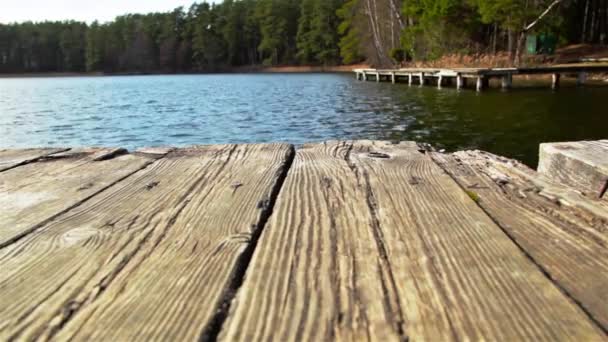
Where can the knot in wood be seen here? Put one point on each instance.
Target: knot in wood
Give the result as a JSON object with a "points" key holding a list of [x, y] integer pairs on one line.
{"points": [[414, 180], [326, 181]]}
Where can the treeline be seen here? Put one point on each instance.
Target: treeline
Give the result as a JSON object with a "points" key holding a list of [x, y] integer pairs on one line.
{"points": [[47, 46], [209, 37], [492, 25], [206, 37]]}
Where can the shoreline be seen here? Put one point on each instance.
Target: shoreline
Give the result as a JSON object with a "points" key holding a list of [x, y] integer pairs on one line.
{"points": [[304, 69]]}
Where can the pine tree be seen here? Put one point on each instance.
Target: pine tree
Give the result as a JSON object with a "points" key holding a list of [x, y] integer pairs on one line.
{"points": [[317, 32], [208, 46], [305, 37], [324, 31], [278, 21], [350, 41]]}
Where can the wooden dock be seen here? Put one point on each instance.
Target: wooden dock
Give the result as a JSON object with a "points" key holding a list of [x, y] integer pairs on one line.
{"points": [[479, 76], [343, 240]]}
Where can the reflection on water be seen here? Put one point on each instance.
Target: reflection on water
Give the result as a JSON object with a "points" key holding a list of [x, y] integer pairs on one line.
{"points": [[204, 109]]}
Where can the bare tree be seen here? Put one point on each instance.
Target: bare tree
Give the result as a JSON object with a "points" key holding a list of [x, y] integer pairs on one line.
{"points": [[397, 12], [528, 27], [584, 33], [380, 28]]}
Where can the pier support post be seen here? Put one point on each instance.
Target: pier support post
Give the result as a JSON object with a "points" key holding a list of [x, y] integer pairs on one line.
{"points": [[555, 81], [364, 76], [421, 76], [439, 80], [410, 79], [393, 77], [377, 77], [581, 79], [481, 83], [460, 82], [507, 81]]}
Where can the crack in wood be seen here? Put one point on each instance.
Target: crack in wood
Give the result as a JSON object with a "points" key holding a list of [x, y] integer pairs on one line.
{"points": [[603, 190], [384, 262], [235, 186], [211, 331], [34, 160], [378, 155]]}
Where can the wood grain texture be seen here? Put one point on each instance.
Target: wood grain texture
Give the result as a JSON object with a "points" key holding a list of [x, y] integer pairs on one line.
{"points": [[11, 158], [582, 165], [373, 241], [317, 273], [569, 244], [34, 193], [151, 258]]}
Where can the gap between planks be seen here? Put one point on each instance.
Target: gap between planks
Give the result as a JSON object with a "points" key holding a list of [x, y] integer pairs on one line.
{"points": [[211, 331]]}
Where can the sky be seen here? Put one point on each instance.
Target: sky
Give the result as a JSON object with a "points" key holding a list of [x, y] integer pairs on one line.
{"points": [[82, 10]]}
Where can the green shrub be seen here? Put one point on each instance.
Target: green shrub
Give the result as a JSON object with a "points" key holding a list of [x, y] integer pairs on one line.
{"points": [[397, 54]]}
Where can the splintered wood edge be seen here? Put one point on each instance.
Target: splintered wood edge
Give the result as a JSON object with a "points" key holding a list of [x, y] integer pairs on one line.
{"points": [[155, 151], [582, 165], [577, 150], [549, 187], [468, 166], [43, 153]]}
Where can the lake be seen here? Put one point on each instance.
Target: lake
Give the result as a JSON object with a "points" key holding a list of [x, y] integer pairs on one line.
{"points": [[136, 111]]}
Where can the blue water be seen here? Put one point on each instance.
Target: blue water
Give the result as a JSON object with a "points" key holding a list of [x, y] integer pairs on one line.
{"points": [[138, 111]]}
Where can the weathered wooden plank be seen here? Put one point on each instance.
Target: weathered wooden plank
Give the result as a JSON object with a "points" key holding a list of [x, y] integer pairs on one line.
{"points": [[571, 245], [582, 165], [151, 258], [34, 193], [307, 280], [14, 157], [375, 241]]}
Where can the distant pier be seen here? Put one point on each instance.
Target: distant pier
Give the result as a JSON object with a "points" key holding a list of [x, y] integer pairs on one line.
{"points": [[479, 77]]}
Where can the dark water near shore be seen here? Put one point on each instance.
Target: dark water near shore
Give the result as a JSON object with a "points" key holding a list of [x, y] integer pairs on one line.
{"points": [[208, 109]]}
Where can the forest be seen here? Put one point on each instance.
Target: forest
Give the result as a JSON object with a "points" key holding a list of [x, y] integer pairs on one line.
{"points": [[215, 37]]}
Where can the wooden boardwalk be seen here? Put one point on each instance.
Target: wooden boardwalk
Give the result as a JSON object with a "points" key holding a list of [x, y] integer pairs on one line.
{"points": [[481, 76], [343, 240]]}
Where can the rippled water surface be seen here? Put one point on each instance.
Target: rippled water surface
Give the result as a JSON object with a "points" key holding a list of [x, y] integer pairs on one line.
{"points": [[140, 111]]}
